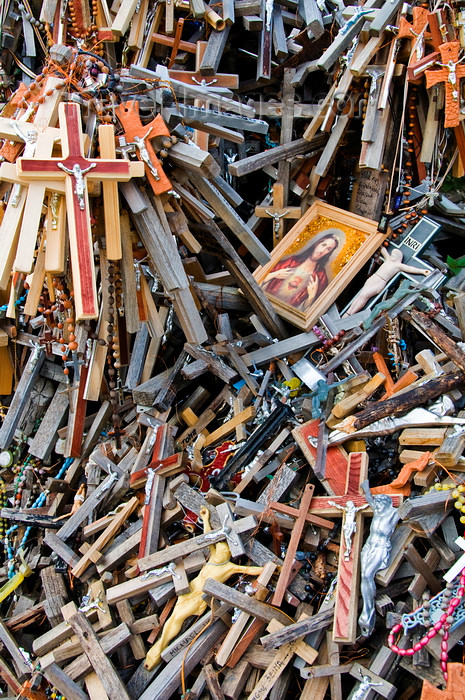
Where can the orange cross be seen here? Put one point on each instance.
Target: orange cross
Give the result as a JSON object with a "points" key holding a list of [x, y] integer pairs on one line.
{"points": [[415, 31], [142, 135], [411, 31], [455, 685], [450, 73]]}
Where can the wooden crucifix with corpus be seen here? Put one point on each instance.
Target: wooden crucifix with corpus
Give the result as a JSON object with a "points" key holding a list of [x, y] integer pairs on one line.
{"points": [[416, 32], [278, 212], [141, 136], [449, 73], [351, 505], [74, 169]]}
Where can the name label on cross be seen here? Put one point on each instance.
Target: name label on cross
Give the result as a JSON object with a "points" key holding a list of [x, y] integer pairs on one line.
{"points": [[412, 243]]}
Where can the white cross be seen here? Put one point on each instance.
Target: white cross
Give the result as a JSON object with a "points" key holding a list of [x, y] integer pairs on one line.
{"points": [[456, 569]]}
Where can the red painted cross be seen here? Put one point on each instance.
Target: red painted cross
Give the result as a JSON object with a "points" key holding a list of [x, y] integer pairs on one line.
{"points": [[74, 168], [347, 592]]}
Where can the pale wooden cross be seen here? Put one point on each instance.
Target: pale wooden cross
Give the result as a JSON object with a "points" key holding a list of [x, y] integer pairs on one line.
{"points": [[141, 136], [450, 73], [44, 121], [106, 138], [278, 212], [74, 169]]}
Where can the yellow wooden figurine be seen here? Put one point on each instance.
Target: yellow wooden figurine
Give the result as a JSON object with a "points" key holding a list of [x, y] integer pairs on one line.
{"points": [[220, 568]]}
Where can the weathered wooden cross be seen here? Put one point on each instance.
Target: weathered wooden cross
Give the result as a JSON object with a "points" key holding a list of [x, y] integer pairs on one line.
{"points": [[450, 73], [73, 168], [278, 212], [215, 83]]}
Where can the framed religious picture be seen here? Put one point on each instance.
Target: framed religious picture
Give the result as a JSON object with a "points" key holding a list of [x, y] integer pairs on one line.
{"points": [[315, 262]]}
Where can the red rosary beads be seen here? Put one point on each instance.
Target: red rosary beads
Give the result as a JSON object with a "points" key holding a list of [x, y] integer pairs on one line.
{"points": [[444, 623]]}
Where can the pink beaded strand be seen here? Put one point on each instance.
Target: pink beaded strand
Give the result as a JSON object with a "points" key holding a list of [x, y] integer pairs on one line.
{"points": [[442, 623]]}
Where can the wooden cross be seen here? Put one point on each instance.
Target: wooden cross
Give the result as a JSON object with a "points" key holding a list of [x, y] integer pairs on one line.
{"points": [[292, 547], [415, 31], [450, 73], [334, 480], [347, 593], [154, 494], [455, 685], [278, 212], [141, 135], [10, 229], [73, 168], [281, 659], [215, 83]]}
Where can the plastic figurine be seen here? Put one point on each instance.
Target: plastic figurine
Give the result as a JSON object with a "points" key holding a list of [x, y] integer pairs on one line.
{"points": [[218, 567], [378, 281]]}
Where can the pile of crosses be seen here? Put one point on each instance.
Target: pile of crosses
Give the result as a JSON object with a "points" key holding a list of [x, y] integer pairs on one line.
{"points": [[232, 306]]}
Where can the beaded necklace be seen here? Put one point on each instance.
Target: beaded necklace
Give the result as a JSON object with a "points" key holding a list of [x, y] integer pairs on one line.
{"points": [[448, 600]]}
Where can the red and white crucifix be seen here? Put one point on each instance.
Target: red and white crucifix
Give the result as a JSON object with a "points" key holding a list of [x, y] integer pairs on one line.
{"points": [[75, 169]]}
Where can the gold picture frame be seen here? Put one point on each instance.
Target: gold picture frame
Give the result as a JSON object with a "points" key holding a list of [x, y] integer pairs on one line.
{"points": [[315, 261]]}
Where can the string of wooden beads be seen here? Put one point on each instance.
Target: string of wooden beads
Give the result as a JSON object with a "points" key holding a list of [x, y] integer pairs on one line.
{"points": [[66, 323], [113, 341], [83, 32], [328, 342]]}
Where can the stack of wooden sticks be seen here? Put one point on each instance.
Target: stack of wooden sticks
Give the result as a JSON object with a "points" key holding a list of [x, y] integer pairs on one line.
{"points": [[232, 370]]}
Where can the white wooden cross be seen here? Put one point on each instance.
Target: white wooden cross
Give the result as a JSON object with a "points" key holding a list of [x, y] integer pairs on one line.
{"points": [[456, 569]]}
